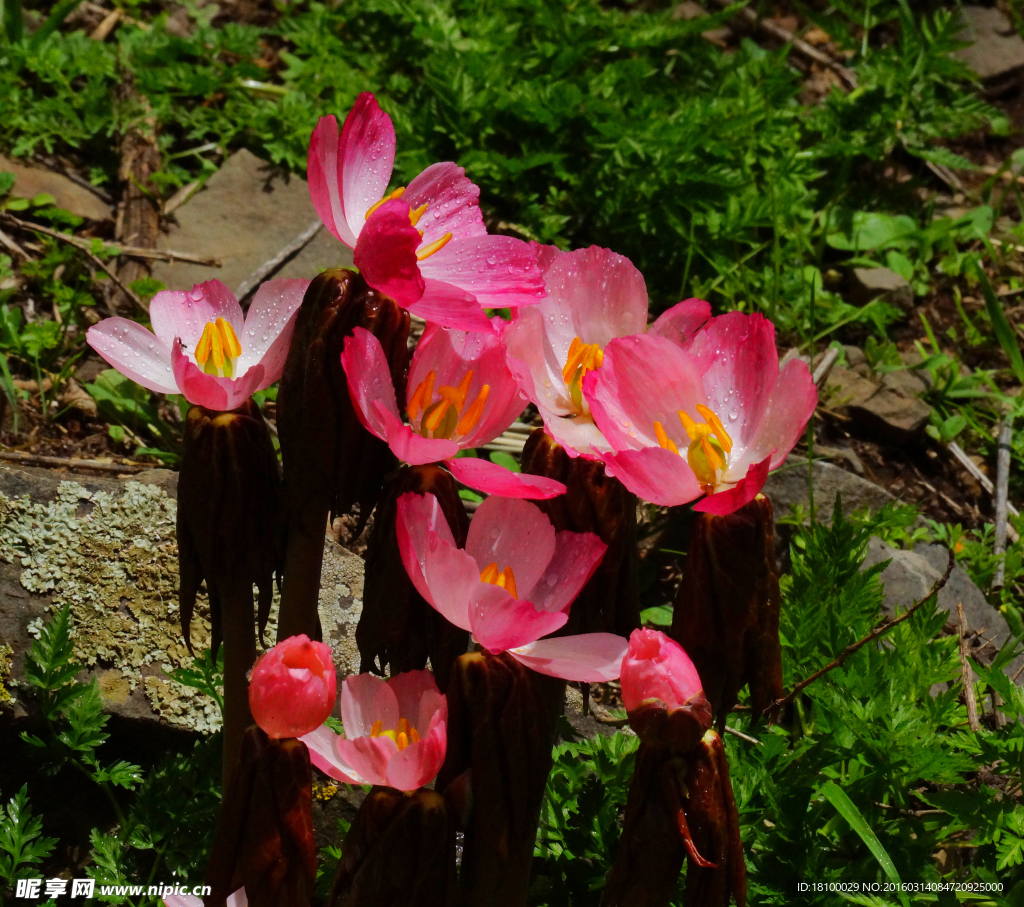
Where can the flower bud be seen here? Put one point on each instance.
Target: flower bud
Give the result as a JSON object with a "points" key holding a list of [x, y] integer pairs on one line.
{"points": [[662, 692], [726, 613], [292, 687], [593, 502]]}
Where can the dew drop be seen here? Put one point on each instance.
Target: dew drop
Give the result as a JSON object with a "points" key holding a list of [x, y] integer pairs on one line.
{"points": [[495, 533]]}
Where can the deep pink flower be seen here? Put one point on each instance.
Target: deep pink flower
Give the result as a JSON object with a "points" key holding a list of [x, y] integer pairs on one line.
{"points": [[657, 668], [711, 416], [594, 296], [292, 687], [460, 395], [394, 732], [424, 245], [201, 346], [512, 584]]}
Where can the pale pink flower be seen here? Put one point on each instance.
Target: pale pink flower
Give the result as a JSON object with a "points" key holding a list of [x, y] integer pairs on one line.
{"points": [[712, 416], [425, 244], [394, 732], [657, 668], [460, 395], [237, 899], [201, 346], [512, 584], [594, 296], [292, 687]]}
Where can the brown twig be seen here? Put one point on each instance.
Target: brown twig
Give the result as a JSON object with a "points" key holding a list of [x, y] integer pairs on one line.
{"points": [[67, 462], [115, 248], [968, 677], [273, 264], [742, 736], [860, 643], [957, 451], [1002, 502]]}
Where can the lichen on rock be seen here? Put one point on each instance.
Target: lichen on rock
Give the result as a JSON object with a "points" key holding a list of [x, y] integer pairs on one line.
{"points": [[114, 559]]}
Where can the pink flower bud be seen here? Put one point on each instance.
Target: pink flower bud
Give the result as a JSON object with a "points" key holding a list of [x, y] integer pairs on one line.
{"points": [[292, 687], [656, 667]]}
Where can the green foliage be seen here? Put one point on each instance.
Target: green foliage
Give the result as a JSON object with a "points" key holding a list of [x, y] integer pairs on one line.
{"points": [[205, 675], [21, 838]]}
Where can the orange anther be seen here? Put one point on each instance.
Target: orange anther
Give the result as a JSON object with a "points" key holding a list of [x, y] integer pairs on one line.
{"points": [[414, 736], [716, 426], [689, 425], [663, 439], [473, 412], [416, 213], [507, 581], [714, 460], [422, 395], [228, 339], [490, 574], [432, 418], [377, 729], [436, 246], [205, 346]]}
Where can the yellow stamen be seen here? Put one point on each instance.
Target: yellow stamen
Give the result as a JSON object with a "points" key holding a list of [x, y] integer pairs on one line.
{"points": [[663, 439], [377, 729], [414, 736], [402, 740], [490, 574], [403, 725], [689, 425], [398, 193], [432, 418], [228, 337], [422, 396], [714, 459], [416, 213], [716, 426], [205, 345], [507, 581], [457, 395], [472, 414], [571, 359], [436, 246]]}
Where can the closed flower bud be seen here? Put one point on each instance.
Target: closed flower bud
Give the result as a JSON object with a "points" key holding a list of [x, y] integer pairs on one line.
{"points": [[292, 687]]}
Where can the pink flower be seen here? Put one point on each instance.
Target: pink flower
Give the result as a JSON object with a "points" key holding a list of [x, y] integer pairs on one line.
{"points": [[460, 395], [512, 584], [238, 899], [202, 347], [594, 296], [424, 245], [657, 668], [292, 687], [712, 416], [394, 732]]}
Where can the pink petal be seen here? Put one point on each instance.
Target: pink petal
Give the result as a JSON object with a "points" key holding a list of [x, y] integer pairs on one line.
{"points": [[323, 172], [682, 321], [537, 342], [644, 379], [654, 474], [369, 381], [502, 622], [450, 354], [657, 667], [175, 314], [419, 699], [368, 756], [269, 324], [737, 357], [223, 394], [419, 763], [451, 577], [184, 900], [600, 293], [409, 446], [790, 405], [588, 658], [576, 557], [498, 270], [743, 492], [134, 352], [237, 899], [448, 306], [365, 699], [452, 200], [367, 152], [490, 478], [385, 254], [579, 436], [418, 516], [323, 753], [514, 534]]}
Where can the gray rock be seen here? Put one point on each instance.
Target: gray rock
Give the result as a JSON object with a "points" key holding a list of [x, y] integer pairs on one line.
{"points": [[884, 283], [107, 548], [996, 51], [905, 382], [787, 488], [911, 575], [854, 356], [243, 216], [845, 387], [31, 180], [887, 409]]}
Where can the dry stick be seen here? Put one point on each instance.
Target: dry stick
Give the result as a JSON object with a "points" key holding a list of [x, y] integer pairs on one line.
{"points": [[1002, 488], [115, 248], [12, 246], [972, 703], [98, 465], [957, 451], [874, 634], [825, 366], [272, 264]]}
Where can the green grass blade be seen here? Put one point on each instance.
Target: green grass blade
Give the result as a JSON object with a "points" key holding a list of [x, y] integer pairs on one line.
{"points": [[1004, 333], [845, 807]]}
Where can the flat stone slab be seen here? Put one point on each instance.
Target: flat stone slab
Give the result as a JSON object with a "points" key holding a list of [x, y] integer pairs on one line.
{"points": [[243, 216], [107, 548], [996, 50], [786, 488], [31, 180]]}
